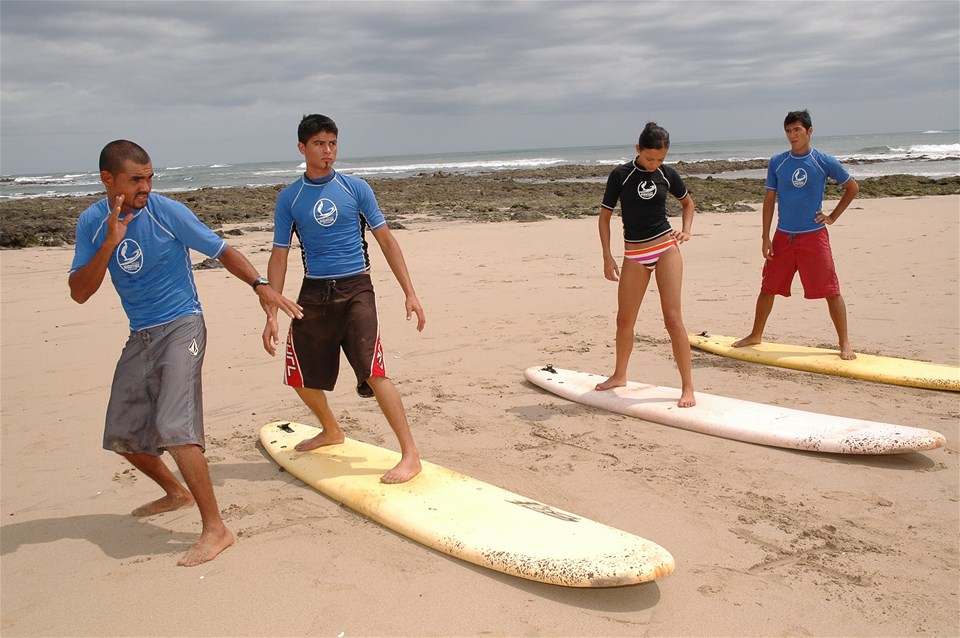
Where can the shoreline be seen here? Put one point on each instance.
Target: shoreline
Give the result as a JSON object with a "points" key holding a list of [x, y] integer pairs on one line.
{"points": [[570, 191]]}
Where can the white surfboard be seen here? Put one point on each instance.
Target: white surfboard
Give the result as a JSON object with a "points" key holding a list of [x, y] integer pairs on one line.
{"points": [[470, 519], [737, 419]]}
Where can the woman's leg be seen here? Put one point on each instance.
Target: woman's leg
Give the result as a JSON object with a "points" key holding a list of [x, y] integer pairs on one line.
{"points": [[669, 283], [634, 280]]}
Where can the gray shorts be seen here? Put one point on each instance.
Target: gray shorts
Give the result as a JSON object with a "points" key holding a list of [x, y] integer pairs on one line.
{"points": [[156, 400]]}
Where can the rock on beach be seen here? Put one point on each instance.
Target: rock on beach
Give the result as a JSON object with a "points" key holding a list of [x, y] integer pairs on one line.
{"points": [[521, 195]]}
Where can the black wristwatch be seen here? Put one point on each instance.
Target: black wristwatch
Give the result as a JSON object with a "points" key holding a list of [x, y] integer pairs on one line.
{"points": [[259, 281]]}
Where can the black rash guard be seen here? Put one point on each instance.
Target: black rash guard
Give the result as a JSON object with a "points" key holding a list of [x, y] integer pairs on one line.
{"points": [[643, 199]]}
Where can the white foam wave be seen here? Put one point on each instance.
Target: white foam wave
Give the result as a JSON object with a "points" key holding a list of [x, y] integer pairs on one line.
{"points": [[926, 149], [453, 167], [79, 180], [915, 152], [279, 172]]}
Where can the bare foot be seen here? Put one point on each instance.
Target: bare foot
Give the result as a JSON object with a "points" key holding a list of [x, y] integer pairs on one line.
{"points": [[612, 382], [207, 548], [166, 504], [324, 438], [403, 471], [847, 354], [749, 340], [687, 400]]}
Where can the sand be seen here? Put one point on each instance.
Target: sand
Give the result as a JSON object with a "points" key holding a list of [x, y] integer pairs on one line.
{"points": [[768, 542]]}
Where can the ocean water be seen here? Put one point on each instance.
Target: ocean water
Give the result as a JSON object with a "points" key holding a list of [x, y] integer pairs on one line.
{"points": [[927, 153]]}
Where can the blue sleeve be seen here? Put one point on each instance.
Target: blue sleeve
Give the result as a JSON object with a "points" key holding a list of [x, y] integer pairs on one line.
{"points": [[283, 221], [834, 168], [772, 173], [185, 226], [369, 207], [86, 244]]}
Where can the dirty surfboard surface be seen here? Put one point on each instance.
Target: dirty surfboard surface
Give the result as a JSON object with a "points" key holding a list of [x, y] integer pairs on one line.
{"points": [[470, 519]]}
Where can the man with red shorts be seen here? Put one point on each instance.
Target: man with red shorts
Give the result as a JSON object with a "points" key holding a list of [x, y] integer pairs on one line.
{"points": [[796, 180]]}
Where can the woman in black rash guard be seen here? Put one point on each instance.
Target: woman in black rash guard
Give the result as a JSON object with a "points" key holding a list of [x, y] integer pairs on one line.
{"points": [[651, 247]]}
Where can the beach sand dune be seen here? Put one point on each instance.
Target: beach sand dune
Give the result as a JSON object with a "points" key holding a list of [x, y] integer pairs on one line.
{"points": [[767, 541]]}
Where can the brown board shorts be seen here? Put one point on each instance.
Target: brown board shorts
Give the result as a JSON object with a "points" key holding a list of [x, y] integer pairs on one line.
{"points": [[338, 314]]}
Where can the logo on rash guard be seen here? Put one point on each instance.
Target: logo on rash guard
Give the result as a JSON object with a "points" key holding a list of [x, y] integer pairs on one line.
{"points": [[129, 256], [799, 178], [325, 212], [647, 190]]}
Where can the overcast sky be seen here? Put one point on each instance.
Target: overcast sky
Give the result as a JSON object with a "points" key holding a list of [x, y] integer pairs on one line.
{"points": [[227, 82]]}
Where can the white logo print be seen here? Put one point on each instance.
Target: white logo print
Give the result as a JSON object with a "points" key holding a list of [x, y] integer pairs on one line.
{"points": [[799, 178], [129, 256], [325, 212], [194, 349], [647, 190]]}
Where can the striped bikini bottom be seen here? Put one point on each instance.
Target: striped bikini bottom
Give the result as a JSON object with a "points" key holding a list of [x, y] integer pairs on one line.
{"points": [[650, 255]]}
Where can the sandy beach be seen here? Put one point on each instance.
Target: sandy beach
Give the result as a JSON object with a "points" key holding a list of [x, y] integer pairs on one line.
{"points": [[768, 542]]}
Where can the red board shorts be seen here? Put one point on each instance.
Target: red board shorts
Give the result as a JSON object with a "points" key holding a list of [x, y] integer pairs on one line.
{"points": [[806, 253], [337, 314]]}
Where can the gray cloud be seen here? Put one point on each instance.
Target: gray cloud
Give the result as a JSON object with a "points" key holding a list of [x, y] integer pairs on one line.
{"points": [[203, 82]]}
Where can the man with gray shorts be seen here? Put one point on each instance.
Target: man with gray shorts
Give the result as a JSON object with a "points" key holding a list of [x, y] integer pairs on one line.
{"points": [[156, 403]]}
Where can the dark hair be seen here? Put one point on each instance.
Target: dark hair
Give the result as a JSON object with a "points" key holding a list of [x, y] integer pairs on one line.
{"points": [[654, 137], [115, 154], [798, 116], [310, 125]]}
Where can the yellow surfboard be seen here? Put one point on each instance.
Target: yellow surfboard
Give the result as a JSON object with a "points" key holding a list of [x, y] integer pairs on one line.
{"points": [[470, 519], [906, 372]]}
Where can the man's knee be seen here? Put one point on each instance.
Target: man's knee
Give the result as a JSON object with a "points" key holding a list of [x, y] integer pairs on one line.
{"points": [[188, 450], [378, 381]]}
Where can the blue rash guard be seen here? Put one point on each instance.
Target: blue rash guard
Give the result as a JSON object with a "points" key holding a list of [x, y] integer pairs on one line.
{"points": [[329, 217], [800, 181], [150, 268]]}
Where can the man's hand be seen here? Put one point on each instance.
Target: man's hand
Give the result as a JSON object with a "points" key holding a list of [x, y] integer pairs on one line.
{"points": [[413, 307], [271, 301], [271, 334], [824, 219], [116, 227], [767, 248]]}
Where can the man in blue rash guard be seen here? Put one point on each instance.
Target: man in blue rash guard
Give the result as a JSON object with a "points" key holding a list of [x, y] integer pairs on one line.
{"points": [[796, 180], [330, 214], [155, 404]]}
